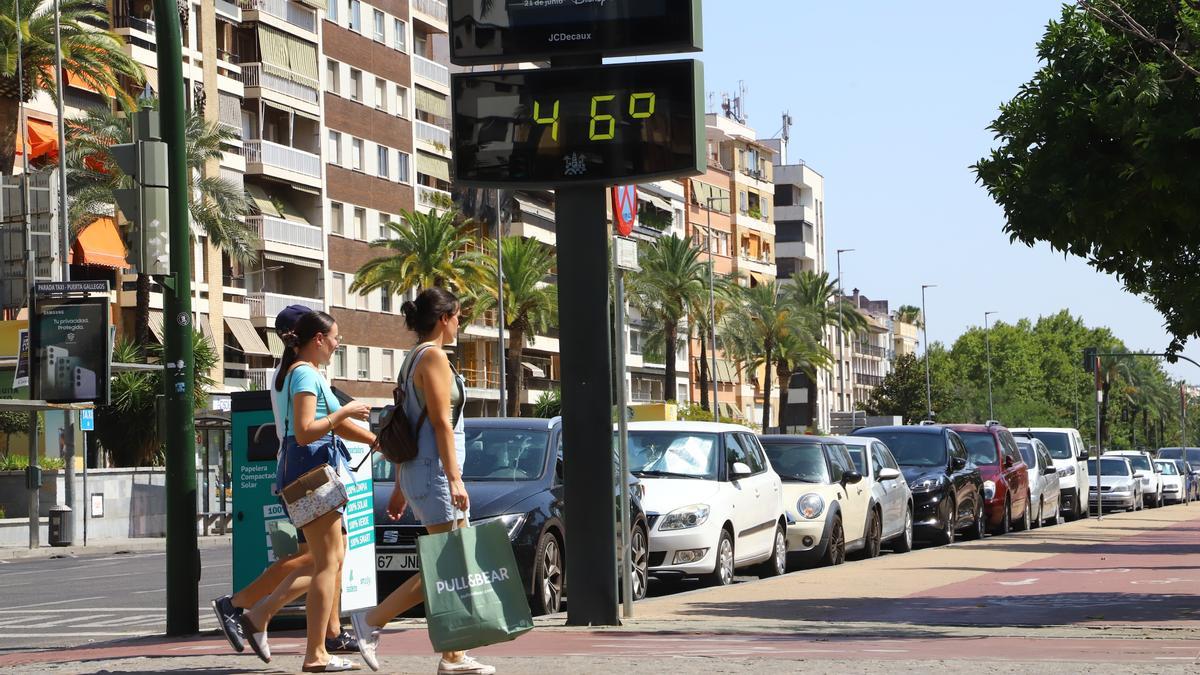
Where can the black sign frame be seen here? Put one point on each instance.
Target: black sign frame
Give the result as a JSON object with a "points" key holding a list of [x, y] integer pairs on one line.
{"points": [[57, 376], [535, 30]]}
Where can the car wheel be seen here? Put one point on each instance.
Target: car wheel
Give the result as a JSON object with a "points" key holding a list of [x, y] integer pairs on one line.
{"points": [[950, 525], [1005, 525], [904, 543], [548, 575], [874, 536], [1022, 525], [1077, 511], [639, 552], [777, 563], [835, 552], [722, 574], [1036, 521], [978, 525]]}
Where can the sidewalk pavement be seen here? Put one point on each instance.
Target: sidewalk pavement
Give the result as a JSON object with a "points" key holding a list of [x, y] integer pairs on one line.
{"points": [[105, 547]]}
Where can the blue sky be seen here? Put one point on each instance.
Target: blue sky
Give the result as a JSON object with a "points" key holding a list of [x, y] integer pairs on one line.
{"points": [[890, 102]]}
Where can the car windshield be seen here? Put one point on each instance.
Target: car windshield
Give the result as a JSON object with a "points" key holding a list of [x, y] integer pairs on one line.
{"points": [[981, 447], [1109, 467], [1168, 468], [914, 449], [1139, 462], [494, 454], [1027, 453], [673, 454], [1058, 442], [799, 462], [858, 453]]}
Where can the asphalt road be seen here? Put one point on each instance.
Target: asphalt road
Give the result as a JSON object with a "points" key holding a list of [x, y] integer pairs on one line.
{"points": [[63, 602]]}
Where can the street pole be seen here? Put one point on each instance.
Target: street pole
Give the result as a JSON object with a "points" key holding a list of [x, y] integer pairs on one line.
{"points": [[841, 337], [987, 334], [183, 558], [626, 561], [712, 313], [500, 306], [925, 337], [1099, 440], [33, 499], [64, 244]]}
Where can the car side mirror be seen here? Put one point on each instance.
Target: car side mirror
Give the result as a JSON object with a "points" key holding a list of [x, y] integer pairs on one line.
{"points": [[1082, 457], [888, 473], [558, 471], [957, 463], [739, 470], [1008, 462], [1049, 471], [851, 477]]}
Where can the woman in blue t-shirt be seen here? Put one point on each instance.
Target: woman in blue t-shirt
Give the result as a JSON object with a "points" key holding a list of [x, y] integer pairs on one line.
{"points": [[313, 421]]}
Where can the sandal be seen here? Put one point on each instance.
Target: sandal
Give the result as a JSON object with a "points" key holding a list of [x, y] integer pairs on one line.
{"points": [[336, 665], [256, 638]]}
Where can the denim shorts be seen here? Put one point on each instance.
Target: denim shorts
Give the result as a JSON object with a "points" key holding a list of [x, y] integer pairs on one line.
{"points": [[427, 490]]}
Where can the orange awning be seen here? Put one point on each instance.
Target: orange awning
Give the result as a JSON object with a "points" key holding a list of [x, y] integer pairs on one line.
{"points": [[43, 139], [100, 244], [78, 82]]}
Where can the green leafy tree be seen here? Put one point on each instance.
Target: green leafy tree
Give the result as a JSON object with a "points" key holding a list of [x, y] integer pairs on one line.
{"points": [[548, 405], [90, 55], [1096, 153], [217, 205], [909, 314], [903, 390], [530, 305]]}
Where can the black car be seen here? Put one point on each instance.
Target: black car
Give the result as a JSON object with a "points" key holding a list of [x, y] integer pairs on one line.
{"points": [[513, 473], [947, 488]]}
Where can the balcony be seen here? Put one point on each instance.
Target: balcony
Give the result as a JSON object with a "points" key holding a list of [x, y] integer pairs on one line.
{"points": [[431, 71], [755, 220], [229, 10], [760, 264], [259, 379], [870, 350], [868, 380], [432, 12], [436, 136], [142, 25], [300, 16], [428, 197], [280, 231], [302, 89], [288, 159], [265, 306]]}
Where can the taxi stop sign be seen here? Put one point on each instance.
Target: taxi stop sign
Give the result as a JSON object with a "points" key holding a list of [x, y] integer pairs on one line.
{"points": [[625, 208]]}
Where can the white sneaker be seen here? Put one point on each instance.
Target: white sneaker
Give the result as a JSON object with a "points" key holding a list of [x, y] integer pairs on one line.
{"points": [[368, 639], [466, 665]]}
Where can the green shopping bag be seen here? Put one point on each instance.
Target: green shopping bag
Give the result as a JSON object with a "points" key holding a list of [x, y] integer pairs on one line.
{"points": [[473, 590]]}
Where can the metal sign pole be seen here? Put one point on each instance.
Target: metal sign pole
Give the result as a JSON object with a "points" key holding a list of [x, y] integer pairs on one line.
{"points": [[1099, 440], [87, 499], [623, 431]]}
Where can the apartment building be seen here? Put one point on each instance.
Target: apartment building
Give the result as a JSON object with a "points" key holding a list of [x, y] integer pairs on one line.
{"points": [[871, 349]]}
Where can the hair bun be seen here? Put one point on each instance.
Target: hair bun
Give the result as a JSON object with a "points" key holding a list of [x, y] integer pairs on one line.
{"points": [[409, 307]]}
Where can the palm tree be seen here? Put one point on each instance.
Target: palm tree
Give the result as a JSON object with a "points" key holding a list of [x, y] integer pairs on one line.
{"points": [[703, 322], [819, 294], [425, 250], [798, 352], [909, 314], [91, 56], [763, 317], [216, 204], [672, 281], [530, 304]]}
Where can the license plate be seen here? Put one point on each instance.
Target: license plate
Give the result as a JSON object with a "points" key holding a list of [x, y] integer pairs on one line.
{"points": [[397, 562]]}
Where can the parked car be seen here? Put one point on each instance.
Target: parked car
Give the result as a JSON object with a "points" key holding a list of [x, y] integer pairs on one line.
{"points": [[1070, 458], [1174, 482], [1190, 457], [1193, 478], [947, 489], [1144, 469], [1119, 487], [881, 472], [1043, 481], [830, 509], [513, 473], [1006, 494], [713, 501]]}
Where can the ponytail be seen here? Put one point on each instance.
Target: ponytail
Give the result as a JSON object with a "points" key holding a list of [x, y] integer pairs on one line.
{"points": [[308, 327]]}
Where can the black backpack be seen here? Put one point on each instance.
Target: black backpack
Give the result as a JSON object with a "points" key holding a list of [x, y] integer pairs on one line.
{"points": [[397, 438]]}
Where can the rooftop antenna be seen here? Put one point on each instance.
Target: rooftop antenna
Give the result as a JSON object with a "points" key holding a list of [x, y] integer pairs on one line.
{"points": [[741, 102], [785, 136]]}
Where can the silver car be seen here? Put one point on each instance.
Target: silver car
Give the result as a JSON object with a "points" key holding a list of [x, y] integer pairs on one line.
{"points": [[1174, 482], [1120, 487], [1043, 482], [881, 473]]}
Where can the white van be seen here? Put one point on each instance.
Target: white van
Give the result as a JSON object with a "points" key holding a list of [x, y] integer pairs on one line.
{"points": [[1070, 457]]}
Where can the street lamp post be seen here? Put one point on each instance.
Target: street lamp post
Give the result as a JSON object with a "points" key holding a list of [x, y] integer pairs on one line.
{"points": [[712, 306], [988, 347], [925, 337], [841, 337]]}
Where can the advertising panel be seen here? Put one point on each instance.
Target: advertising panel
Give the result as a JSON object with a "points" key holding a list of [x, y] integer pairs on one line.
{"points": [[71, 349]]}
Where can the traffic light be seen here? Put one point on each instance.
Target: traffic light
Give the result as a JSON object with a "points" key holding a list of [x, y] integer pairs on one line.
{"points": [[1089, 359], [145, 205]]}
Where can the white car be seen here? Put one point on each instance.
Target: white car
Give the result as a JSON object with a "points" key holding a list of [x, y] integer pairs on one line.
{"points": [[1119, 487], [1070, 457], [1174, 483], [1043, 482], [890, 493], [713, 501], [1144, 469]]}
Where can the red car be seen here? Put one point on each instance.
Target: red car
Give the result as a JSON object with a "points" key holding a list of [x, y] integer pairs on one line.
{"points": [[1005, 475]]}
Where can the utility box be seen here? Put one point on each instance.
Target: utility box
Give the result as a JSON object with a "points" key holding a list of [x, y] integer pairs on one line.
{"points": [[61, 526], [655, 412]]}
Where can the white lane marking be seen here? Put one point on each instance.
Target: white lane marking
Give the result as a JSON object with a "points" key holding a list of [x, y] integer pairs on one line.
{"points": [[887, 651], [1023, 582], [152, 590], [58, 602], [1160, 582], [1176, 658], [90, 566], [56, 622]]}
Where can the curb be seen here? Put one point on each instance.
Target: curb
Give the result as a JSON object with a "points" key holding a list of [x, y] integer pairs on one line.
{"points": [[147, 545]]}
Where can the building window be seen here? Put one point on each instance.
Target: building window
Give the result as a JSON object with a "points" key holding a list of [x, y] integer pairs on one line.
{"points": [[382, 151], [335, 147], [401, 101], [335, 218], [339, 289], [361, 302], [635, 341], [333, 83], [356, 90], [389, 365], [356, 16], [379, 36], [381, 97], [360, 223], [356, 152], [338, 366], [364, 363], [332, 13], [385, 301], [399, 34], [385, 232], [402, 160]]}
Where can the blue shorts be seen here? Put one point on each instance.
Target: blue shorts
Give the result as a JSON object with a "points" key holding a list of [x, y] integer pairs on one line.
{"points": [[427, 490]]}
